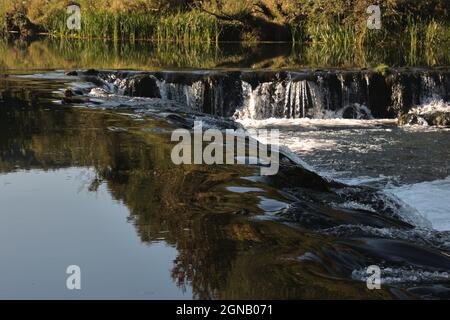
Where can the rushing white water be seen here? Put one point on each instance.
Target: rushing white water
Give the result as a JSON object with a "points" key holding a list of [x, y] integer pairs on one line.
{"points": [[296, 99], [431, 106], [191, 96], [320, 94], [401, 275], [342, 141], [432, 199], [308, 122]]}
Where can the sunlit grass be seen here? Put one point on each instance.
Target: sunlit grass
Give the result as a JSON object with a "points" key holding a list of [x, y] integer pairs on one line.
{"points": [[187, 27], [193, 27]]}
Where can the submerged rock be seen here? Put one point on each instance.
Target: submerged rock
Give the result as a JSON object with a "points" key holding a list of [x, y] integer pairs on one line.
{"points": [[441, 119], [72, 73], [438, 119], [91, 72], [320, 216], [411, 119], [401, 253], [295, 176]]}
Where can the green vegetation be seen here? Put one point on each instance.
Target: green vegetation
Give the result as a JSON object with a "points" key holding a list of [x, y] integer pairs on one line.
{"points": [[116, 20], [338, 26], [382, 68], [192, 27]]}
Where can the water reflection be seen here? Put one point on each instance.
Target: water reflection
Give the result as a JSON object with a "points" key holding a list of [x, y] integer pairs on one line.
{"points": [[187, 219], [49, 221], [50, 53]]}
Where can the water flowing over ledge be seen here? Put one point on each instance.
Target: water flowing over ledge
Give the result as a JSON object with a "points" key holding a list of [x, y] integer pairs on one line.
{"points": [[318, 94]]}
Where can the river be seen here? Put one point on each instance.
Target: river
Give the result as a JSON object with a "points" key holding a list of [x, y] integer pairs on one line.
{"points": [[86, 178]]}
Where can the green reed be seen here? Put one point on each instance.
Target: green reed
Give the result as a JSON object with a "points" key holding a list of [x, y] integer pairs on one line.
{"points": [[106, 25], [186, 27], [339, 41], [189, 27], [3, 26], [332, 35]]}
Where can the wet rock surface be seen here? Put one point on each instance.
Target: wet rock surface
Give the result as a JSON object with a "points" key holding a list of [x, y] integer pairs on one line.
{"points": [[441, 119]]}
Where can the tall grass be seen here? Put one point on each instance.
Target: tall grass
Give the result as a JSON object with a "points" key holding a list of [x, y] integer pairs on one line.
{"points": [[3, 26], [425, 37], [298, 32], [332, 35], [413, 31], [427, 33], [187, 27], [105, 25], [101, 20], [340, 41]]}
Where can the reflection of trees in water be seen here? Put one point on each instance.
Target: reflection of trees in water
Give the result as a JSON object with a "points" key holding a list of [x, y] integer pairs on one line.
{"points": [[69, 54], [221, 254]]}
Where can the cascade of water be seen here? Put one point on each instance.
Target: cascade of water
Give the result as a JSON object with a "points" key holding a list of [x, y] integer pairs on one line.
{"points": [[315, 94], [317, 109], [284, 99], [431, 88], [192, 96]]}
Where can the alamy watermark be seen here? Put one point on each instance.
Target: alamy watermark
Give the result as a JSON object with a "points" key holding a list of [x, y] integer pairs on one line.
{"points": [[230, 147], [74, 19], [73, 281], [374, 277], [374, 20]]}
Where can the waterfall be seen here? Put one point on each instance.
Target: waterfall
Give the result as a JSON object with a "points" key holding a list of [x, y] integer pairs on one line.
{"points": [[312, 94], [431, 87], [191, 96], [285, 99]]}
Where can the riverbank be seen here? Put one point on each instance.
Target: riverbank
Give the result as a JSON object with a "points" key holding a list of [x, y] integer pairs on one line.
{"points": [[338, 27]]}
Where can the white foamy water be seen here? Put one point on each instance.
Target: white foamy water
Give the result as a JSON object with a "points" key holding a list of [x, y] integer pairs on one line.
{"points": [[303, 135], [403, 275], [432, 106], [432, 199], [312, 123], [353, 145]]}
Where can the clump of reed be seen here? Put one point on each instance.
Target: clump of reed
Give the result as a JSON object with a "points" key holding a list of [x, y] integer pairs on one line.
{"points": [[331, 34], [189, 27], [426, 37], [3, 22], [342, 41], [105, 25]]}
